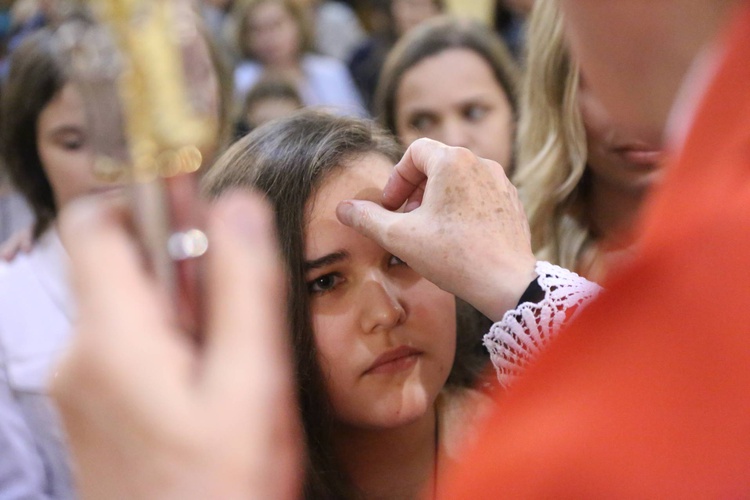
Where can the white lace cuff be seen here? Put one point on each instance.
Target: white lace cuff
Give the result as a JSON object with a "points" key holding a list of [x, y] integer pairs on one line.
{"points": [[524, 332]]}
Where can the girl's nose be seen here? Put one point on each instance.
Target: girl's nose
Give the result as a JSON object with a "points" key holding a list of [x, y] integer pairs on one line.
{"points": [[382, 307]]}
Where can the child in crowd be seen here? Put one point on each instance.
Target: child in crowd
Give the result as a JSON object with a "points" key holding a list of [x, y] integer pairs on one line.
{"points": [[267, 100], [274, 39]]}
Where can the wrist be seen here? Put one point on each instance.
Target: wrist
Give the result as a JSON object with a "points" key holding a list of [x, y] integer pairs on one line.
{"points": [[533, 294], [504, 289]]}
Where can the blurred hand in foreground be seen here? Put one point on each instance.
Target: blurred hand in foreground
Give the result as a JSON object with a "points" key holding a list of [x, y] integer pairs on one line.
{"points": [[148, 413], [464, 227]]}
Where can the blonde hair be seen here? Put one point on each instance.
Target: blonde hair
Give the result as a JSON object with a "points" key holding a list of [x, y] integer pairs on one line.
{"points": [[551, 143]]}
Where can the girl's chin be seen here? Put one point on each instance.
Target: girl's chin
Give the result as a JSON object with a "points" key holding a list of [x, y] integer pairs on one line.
{"points": [[109, 190], [404, 415]]}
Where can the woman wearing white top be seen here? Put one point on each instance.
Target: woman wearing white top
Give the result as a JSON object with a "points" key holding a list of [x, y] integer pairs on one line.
{"points": [[51, 162], [273, 39], [47, 146]]}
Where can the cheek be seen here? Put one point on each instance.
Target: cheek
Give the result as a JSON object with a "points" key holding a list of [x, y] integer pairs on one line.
{"points": [[407, 135], [499, 137], [325, 328], [439, 327], [404, 132], [592, 121], [334, 339], [335, 346], [258, 43], [435, 311], [290, 36], [59, 168]]}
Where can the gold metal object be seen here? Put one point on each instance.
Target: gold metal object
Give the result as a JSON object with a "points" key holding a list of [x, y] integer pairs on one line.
{"points": [[153, 99], [166, 89]]}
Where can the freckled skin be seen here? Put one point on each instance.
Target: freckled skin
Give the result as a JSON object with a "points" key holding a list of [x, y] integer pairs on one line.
{"points": [[470, 223]]}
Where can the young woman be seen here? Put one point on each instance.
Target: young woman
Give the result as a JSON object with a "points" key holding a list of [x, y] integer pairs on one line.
{"points": [[374, 342], [46, 144], [581, 178], [51, 162], [453, 81], [274, 40]]}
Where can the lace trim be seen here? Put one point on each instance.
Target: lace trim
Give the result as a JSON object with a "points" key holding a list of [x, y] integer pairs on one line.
{"points": [[524, 332]]}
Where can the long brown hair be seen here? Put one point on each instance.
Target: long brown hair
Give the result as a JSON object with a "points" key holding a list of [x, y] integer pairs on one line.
{"points": [[433, 37], [288, 160], [37, 73]]}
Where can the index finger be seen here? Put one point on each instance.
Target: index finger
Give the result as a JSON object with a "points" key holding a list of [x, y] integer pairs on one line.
{"points": [[409, 174]]}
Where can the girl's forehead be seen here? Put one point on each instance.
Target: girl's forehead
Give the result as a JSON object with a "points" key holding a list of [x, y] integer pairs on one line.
{"points": [[362, 179]]}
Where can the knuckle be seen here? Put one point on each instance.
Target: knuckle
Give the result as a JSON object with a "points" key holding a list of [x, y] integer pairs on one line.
{"points": [[361, 218], [424, 142], [460, 156], [389, 233]]}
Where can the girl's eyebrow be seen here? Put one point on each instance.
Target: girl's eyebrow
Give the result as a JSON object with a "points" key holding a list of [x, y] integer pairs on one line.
{"points": [[65, 129], [326, 260]]}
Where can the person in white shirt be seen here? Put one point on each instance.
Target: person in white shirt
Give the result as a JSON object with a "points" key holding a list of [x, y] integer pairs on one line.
{"points": [[50, 159], [274, 39]]}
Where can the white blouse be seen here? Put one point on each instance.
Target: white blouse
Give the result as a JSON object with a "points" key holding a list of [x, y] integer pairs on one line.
{"points": [[35, 325]]}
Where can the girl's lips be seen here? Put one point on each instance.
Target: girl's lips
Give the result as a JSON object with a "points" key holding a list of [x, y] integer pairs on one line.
{"points": [[109, 190], [395, 360], [639, 153], [639, 156]]}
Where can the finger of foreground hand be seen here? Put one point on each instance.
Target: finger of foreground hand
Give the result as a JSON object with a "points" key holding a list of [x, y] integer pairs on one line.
{"points": [[246, 338], [247, 375], [373, 221], [409, 174], [122, 322]]}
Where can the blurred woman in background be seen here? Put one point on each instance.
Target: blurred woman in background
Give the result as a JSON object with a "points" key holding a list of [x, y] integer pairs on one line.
{"points": [[274, 40], [454, 81], [582, 180], [47, 144]]}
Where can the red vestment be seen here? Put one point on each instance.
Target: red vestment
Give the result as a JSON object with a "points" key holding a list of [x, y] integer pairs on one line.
{"points": [[648, 393]]}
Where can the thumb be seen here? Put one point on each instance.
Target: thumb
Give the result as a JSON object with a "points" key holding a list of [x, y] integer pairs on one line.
{"points": [[373, 221]]}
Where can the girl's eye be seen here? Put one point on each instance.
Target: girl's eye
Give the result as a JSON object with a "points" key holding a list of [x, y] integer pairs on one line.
{"points": [[395, 261], [421, 123], [475, 112], [72, 142], [324, 283]]}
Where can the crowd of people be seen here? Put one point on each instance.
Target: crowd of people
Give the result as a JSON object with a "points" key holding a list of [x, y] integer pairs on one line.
{"points": [[411, 213]]}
